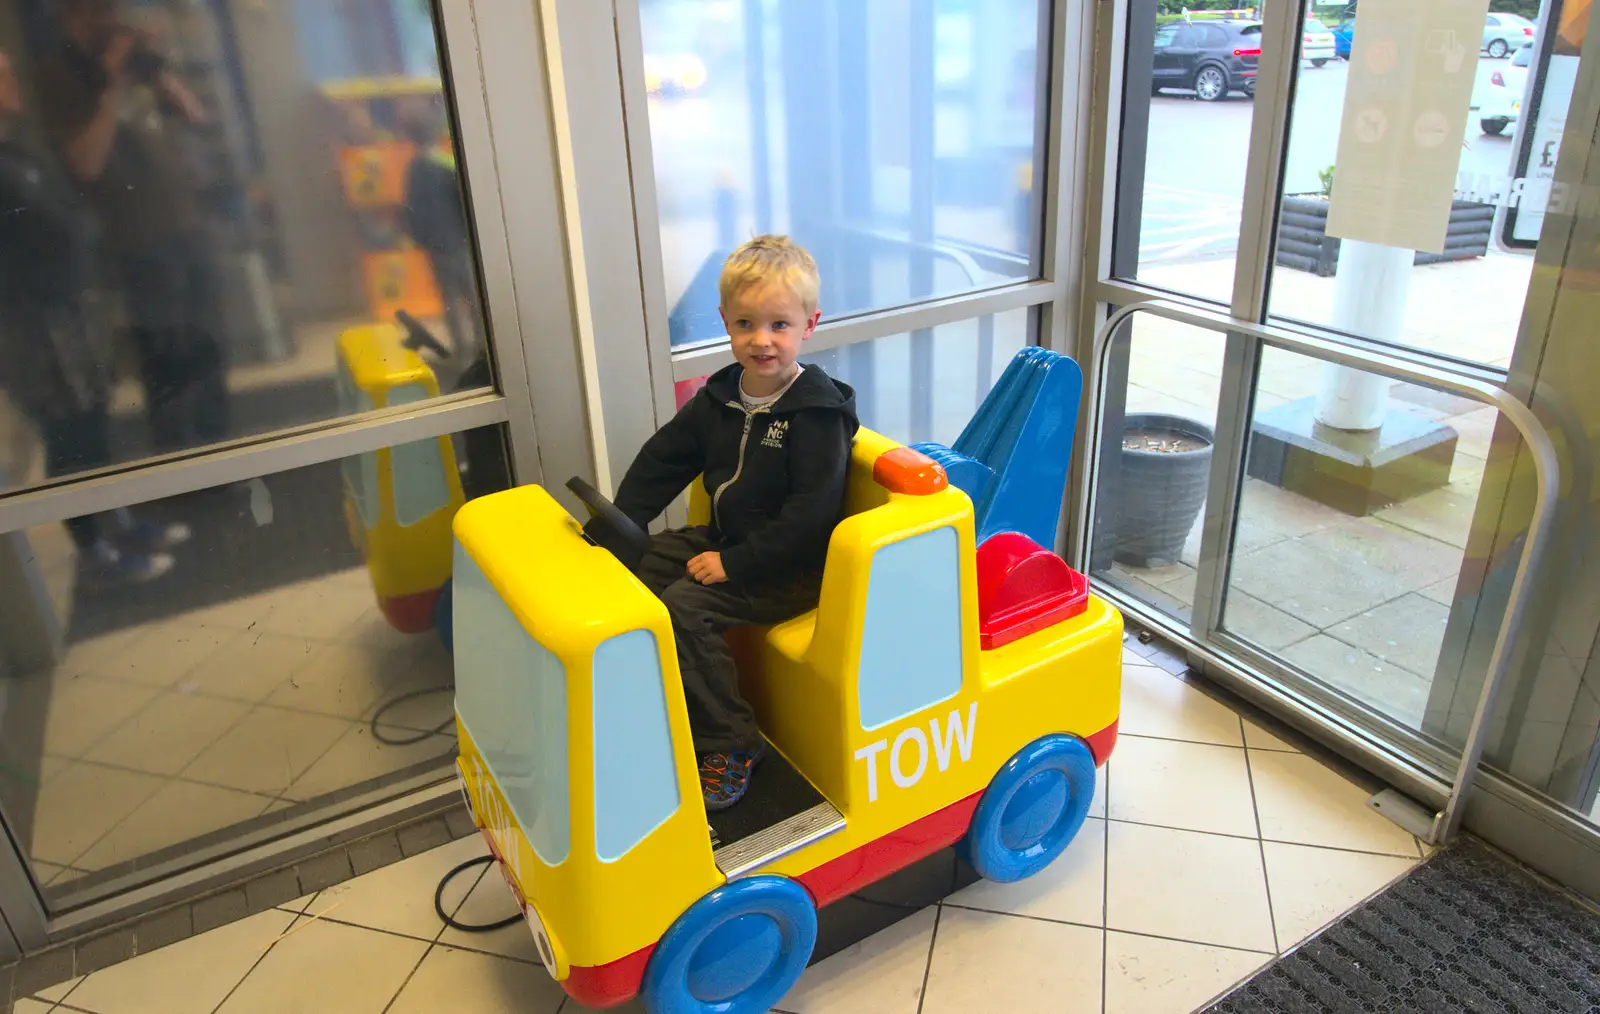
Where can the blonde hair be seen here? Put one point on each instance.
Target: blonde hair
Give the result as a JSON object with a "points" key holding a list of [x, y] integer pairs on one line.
{"points": [[772, 259]]}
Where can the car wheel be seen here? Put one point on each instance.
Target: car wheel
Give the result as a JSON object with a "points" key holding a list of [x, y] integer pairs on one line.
{"points": [[738, 950], [1211, 84], [1032, 809], [1494, 126], [1499, 48], [1319, 63]]}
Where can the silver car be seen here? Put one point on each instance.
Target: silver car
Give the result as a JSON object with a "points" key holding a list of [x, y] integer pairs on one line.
{"points": [[1503, 33]]}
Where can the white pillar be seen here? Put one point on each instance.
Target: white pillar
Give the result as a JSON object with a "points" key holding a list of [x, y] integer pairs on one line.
{"points": [[1369, 298]]}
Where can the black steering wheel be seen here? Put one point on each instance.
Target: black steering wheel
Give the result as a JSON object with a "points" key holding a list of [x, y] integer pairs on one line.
{"points": [[418, 337], [608, 527]]}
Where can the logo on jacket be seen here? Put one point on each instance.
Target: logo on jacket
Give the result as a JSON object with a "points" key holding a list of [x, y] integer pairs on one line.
{"points": [[776, 431]]}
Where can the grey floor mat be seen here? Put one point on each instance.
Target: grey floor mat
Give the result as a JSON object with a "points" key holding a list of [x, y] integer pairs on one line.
{"points": [[1467, 931]]}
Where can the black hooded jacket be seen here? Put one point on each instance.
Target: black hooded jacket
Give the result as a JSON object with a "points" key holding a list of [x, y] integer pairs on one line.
{"points": [[776, 476]]}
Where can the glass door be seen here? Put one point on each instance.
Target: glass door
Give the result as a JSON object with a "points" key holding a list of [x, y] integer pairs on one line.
{"points": [[245, 385], [1341, 537]]}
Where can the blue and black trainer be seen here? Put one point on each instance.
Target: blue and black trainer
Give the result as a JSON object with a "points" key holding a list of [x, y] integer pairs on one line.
{"points": [[724, 777]]}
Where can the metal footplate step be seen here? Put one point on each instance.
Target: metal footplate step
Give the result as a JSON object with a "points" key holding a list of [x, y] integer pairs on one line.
{"points": [[773, 843]]}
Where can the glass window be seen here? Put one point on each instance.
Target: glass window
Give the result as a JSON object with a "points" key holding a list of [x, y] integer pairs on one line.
{"points": [[421, 479], [896, 141], [292, 179], [1463, 301], [635, 778], [1164, 379], [1349, 545], [911, 632], [514, 707], [926, 385], [360, 471], [219, 668], [1181, 179]]}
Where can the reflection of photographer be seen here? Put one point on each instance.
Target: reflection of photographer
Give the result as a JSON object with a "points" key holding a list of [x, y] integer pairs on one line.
{"points": [[115, 112], [55, 356]]}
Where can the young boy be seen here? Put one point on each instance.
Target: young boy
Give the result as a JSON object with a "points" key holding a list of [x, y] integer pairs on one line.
{"points": [[772, 440]]}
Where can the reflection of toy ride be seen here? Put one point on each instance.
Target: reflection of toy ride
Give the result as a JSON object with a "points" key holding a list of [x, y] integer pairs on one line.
{"points": [[943, 692], [399, 501], [374, 157]]}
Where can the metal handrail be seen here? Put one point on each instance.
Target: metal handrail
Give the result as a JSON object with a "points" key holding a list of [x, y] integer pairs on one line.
{"points": [[1447, 821]]}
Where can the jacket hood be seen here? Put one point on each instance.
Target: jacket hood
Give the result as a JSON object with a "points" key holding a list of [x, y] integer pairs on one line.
{"points": [[812, 389]]}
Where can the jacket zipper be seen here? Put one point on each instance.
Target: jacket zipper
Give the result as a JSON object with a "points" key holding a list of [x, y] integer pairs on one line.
{"points": [[744, 439]]}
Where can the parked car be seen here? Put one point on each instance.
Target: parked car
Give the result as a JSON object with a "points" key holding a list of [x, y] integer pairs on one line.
{"points": [[1317, 43], [1344, 34], [1503, 33], [1212, 57], [1502, 100]]}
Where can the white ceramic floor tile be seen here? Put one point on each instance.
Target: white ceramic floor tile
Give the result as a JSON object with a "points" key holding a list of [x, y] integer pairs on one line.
{"points": [[60, 991], [83, 803], [84, 709], [45, 872], [341, 680], [1097, 807], [357, 757], [326, 966], [1071, 889], [1145, 975], [267, 751], [322, 609], [455, 980], [1313, 886], [429, 682], [164, 737], [97, 652], [1186, 885], [987, 962], [1300, 800], [1257, 738], [166, 653], [399, 897], [189, 977], [1157, 704], [490, 901], [179, 812], [882, 974], [249, 666], [1194, 786]]}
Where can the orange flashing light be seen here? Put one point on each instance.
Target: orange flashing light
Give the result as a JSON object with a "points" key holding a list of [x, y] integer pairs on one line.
{"points": [[913, 473]]}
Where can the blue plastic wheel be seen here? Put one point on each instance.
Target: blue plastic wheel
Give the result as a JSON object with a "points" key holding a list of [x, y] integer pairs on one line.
{"points": [[738, 950], [444, 617], [1032, 809]]}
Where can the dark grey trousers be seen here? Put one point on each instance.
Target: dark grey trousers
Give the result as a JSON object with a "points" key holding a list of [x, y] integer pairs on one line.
{"points": [[720, 718]]}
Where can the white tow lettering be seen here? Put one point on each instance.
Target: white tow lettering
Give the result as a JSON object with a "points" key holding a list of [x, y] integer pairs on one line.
{"points": [[953, 731], [869, 753], [954, 739], [896, 771]]}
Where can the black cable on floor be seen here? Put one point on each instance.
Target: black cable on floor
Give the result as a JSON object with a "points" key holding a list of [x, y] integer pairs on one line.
{"points": [[443, 727], [438, 901]]}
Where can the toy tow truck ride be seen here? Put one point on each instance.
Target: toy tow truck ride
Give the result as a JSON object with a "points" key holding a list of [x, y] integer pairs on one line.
{"points": [[943, 692]]}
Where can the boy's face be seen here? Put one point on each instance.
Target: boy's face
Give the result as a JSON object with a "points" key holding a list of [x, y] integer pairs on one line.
{"points": [[767, 325]]}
